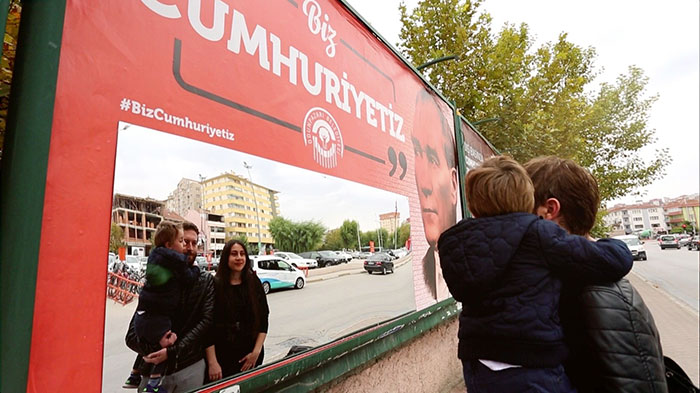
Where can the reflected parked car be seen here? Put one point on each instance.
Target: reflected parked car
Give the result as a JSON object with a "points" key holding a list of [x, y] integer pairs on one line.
{"points": [[274, 273], [683, 240], [296, 260], [669, 241], [323, 258], [344, 256], [694, 243], [379, 262]]}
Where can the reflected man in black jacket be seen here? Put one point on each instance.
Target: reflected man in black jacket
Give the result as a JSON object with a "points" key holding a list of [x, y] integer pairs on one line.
{"points": [[185, 359]]}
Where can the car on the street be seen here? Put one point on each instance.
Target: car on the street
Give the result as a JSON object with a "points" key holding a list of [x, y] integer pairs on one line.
{"points": [[400, 252], [683, 240], [694, 243], [379, 262], [274, 273], [296, 260], [635, 246], [669, 241], [323, 258]]}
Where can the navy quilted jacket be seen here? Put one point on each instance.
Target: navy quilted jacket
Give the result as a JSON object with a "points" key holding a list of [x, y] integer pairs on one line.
{"points": [[507, 272]]}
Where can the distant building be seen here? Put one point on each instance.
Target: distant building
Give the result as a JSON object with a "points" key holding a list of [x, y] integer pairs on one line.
{"points": [[390, 221], [657, 215], [138, 218], [243, 205], [186, 196]]}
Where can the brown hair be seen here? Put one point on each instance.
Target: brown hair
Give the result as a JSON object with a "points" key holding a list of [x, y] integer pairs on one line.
{"points": [[188, 226], [166, 232], [499, 186], [248, 279], [572, 185]]}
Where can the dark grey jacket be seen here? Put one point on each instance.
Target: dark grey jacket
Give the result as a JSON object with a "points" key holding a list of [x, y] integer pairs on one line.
{"points": [[613, 340]]}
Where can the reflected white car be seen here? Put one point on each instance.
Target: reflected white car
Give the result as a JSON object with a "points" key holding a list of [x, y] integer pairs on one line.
{"points": [[274, 272], [296, 260]]}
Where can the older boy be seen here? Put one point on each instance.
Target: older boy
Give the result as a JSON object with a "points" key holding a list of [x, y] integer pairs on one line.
{"points": [[506, 267]]}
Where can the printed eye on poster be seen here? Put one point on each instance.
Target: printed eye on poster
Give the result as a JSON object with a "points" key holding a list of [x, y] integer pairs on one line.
{"points": [[282, 108]]}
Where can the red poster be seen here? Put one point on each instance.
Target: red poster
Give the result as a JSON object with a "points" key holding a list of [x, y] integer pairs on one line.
{"points": [[299, 82]]}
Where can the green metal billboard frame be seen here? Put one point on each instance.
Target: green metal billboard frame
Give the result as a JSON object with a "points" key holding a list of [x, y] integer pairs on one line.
{"points": [[23, 180]]}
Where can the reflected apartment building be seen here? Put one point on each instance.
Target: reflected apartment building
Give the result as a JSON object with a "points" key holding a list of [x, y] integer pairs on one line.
{"points": [[138, 218], [243, 205]]}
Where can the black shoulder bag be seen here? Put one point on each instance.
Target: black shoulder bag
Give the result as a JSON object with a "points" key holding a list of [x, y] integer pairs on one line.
{"points": [[676, 379]]}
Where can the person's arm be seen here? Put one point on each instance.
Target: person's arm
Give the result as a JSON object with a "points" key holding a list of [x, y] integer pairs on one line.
{"points": [[133, 342], [195, 335], [576, 257], [213, 364], [250, 359]]}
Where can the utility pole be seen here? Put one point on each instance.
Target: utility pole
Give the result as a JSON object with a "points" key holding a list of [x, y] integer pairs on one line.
{"points": [[359, 244], [257, 211], [203, 229]]}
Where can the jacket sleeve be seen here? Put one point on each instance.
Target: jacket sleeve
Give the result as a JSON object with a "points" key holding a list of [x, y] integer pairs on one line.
{"points": [[196, 335], [577, 258], [264, 308]]}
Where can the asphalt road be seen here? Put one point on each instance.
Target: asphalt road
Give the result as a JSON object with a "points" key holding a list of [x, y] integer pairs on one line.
{"points": [[320, 312], [674, 271]]}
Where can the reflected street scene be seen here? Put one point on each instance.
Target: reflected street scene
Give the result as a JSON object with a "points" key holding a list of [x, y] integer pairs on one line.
{"points": [[333, 256]]}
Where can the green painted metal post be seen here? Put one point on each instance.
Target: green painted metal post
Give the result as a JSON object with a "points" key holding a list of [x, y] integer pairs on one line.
{"points": [[23, 181], [462, 170]]}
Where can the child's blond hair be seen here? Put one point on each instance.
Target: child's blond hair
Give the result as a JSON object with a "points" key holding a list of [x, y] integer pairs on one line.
{"points": [[499, 186], [166, 232]]}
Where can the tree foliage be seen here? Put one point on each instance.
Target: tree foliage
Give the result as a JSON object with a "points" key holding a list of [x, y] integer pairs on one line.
{"points": [[296, 236], [348, 233], [116, 236], [543, 96]]}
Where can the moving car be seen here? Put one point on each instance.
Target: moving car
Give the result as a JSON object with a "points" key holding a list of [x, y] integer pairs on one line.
{"points": [[635, 245], [669, 241], [296, 260], [379, 262], [694, 243], [683, 240], [274, 272]]}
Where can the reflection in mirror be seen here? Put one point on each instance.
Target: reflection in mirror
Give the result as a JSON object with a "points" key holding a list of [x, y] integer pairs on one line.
{"points": [[347, 286]]}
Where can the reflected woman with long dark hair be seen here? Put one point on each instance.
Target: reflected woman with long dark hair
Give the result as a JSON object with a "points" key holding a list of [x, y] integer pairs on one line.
{"points": [[240, 315]]}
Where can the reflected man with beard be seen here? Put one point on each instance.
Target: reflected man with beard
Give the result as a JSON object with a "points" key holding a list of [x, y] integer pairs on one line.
{"points": [[436, 181]]}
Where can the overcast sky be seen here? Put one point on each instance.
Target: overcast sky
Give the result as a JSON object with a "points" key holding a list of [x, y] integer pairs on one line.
{"points": [[661, 38]]}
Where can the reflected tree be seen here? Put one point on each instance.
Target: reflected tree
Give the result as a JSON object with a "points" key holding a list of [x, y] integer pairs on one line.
{"points": [[296, 236], [116, 236]]}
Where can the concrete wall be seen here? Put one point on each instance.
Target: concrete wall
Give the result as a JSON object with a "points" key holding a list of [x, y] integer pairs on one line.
{"points": [[428, 363]]}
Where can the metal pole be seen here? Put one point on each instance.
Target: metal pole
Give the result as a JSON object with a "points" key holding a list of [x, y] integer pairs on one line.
{"points": [[202, 227], [438, 60], [257, 211]]}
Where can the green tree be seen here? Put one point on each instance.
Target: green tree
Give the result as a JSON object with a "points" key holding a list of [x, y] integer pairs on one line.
{"points": [[348, 232], [542, 96], [404, 234], [296, 236], [243, 239], [333, 240], [116, 236]]}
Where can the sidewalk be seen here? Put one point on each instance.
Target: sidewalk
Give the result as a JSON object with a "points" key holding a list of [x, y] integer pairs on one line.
{"points": [[677, 323]]}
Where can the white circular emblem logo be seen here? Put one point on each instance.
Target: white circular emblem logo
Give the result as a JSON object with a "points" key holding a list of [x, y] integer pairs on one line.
{"points": [[323, 134]]}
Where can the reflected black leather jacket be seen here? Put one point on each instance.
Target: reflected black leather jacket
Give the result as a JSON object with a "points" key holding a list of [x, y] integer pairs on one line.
{"points": [[191, 324], [613, 340]]}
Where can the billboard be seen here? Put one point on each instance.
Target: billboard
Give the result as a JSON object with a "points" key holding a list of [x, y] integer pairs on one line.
{"points": [[299, 86]]}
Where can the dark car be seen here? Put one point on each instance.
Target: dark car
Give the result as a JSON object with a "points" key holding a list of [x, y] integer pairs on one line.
{"points": [[379, 262], [324, 258]]}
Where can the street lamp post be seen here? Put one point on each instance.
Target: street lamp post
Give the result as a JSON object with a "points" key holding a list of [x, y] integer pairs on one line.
{"points": [[202, 214], [257, 211]]}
